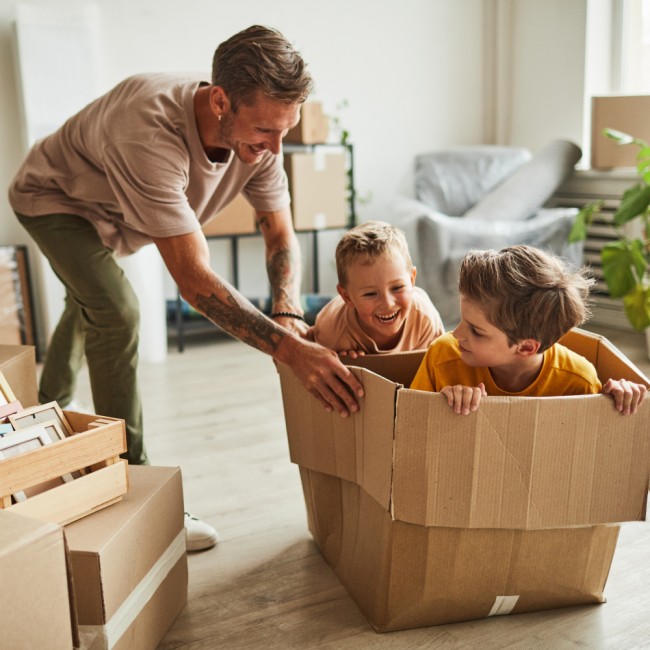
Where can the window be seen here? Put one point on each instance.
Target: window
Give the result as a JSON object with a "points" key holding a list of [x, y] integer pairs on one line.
{"points": [[632, 32]]}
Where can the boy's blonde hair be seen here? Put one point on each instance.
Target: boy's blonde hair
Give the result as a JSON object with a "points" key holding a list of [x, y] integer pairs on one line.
{"points": [[366, 243], [526, 293]]}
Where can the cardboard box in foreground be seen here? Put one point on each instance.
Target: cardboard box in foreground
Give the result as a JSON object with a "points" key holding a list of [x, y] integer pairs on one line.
{"points": [[35, 598], [129, 565], [404, 575], [491, 503]]}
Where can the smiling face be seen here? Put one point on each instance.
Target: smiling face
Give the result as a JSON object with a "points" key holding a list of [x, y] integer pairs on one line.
{"points": [[254, 129], [381, 293], [482, 345]]}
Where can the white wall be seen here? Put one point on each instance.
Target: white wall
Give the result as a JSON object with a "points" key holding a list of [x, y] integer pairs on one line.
{"points": [[413, 73], [548, 64]]}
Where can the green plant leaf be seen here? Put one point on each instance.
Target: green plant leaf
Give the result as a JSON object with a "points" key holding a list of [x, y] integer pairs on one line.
{"points": [[634, 202], [579, 228], [583, 221], [618, 261], [637, 307], [618, 136], [643, 164]]}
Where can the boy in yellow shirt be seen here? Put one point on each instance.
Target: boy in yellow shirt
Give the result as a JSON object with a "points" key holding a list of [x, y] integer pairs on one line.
{"points": [[379, 309], [515, 305]]}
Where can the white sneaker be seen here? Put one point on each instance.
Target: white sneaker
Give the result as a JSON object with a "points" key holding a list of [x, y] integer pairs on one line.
{"points": [[199, 535], [78, 407]]}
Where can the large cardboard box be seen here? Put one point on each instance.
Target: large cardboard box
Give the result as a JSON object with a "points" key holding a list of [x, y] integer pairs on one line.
{"points": [[35, 596], [403, 575], [129, 565], [627, 113], [237, 218], [522, 482], [317, 183], [313, 127]]}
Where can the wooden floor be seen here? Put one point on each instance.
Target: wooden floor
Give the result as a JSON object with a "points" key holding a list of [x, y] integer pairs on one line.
{"points": [[216, 411]]}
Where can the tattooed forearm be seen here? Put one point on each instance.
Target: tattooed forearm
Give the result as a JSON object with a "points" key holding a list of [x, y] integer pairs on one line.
{"points": [[246, 324], [283, 267]]}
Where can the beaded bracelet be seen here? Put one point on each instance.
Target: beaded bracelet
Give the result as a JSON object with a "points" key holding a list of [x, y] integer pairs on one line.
{"points": [[287, 314]]}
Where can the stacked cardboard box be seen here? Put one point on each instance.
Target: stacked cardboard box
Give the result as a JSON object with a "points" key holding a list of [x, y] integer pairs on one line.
{"points": [[35, 595], [18, 365], [313, 127], [428, 517], [317, 183], [237, 218], [128, 563], [125, 553]]}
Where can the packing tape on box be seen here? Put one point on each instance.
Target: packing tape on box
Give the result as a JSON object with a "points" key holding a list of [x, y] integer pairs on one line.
{"points": [[503, 605], [104, 637]]}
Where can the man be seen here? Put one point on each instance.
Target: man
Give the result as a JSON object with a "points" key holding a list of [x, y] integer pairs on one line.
{"points": [[151, 161]]}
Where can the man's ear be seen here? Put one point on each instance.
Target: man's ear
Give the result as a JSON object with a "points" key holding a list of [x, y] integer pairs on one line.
{"points": [[344, 293], [219, 101], [528, 347]]}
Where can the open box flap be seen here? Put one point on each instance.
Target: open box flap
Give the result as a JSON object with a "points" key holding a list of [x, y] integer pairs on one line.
{"points": [[357, 448]]}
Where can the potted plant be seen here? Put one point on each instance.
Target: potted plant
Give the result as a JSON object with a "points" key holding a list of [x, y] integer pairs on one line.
{"points": [[626, 261]]}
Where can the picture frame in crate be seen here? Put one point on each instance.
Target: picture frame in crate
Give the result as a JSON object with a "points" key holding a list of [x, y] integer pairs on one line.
{"points": [[27, 439]]}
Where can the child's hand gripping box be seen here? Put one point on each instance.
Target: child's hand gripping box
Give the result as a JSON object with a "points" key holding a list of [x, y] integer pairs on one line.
{"points": [[429, 517]]}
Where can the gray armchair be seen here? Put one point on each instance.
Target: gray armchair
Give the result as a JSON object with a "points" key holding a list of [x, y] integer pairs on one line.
{"points": [[484, 197]]}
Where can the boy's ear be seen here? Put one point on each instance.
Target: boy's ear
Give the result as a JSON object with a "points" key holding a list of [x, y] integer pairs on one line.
{"points": [[414, 273], [343, 292], [528, 347]]}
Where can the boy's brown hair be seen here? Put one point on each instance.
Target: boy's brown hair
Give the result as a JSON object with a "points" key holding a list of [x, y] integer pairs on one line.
{"points": [[260, 59], [366, 243], [526, 293]]}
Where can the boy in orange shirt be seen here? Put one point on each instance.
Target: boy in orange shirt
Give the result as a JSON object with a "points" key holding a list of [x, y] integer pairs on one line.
{"points": [[515, 305], [379, 309]]}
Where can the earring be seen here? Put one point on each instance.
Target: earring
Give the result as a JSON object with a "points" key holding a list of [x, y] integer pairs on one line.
{"points": [[219, 118]]}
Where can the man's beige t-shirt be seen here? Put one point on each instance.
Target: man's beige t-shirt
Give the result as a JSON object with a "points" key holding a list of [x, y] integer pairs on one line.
{"points": [[132, 163], [337, 327]]}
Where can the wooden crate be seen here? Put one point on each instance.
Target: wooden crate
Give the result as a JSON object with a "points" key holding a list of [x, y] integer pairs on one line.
{"points": [[97, 447]]}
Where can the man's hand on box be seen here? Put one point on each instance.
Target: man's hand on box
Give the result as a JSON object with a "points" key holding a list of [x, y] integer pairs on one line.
{"points": [[627, 394], [321, 372], [464, 399]]}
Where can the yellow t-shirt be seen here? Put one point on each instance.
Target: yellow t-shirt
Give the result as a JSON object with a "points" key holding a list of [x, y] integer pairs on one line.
{"points": [[563, 372]]}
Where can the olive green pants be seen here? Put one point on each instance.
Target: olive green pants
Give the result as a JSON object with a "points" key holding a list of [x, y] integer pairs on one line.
{"points": [[100, 320]]}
